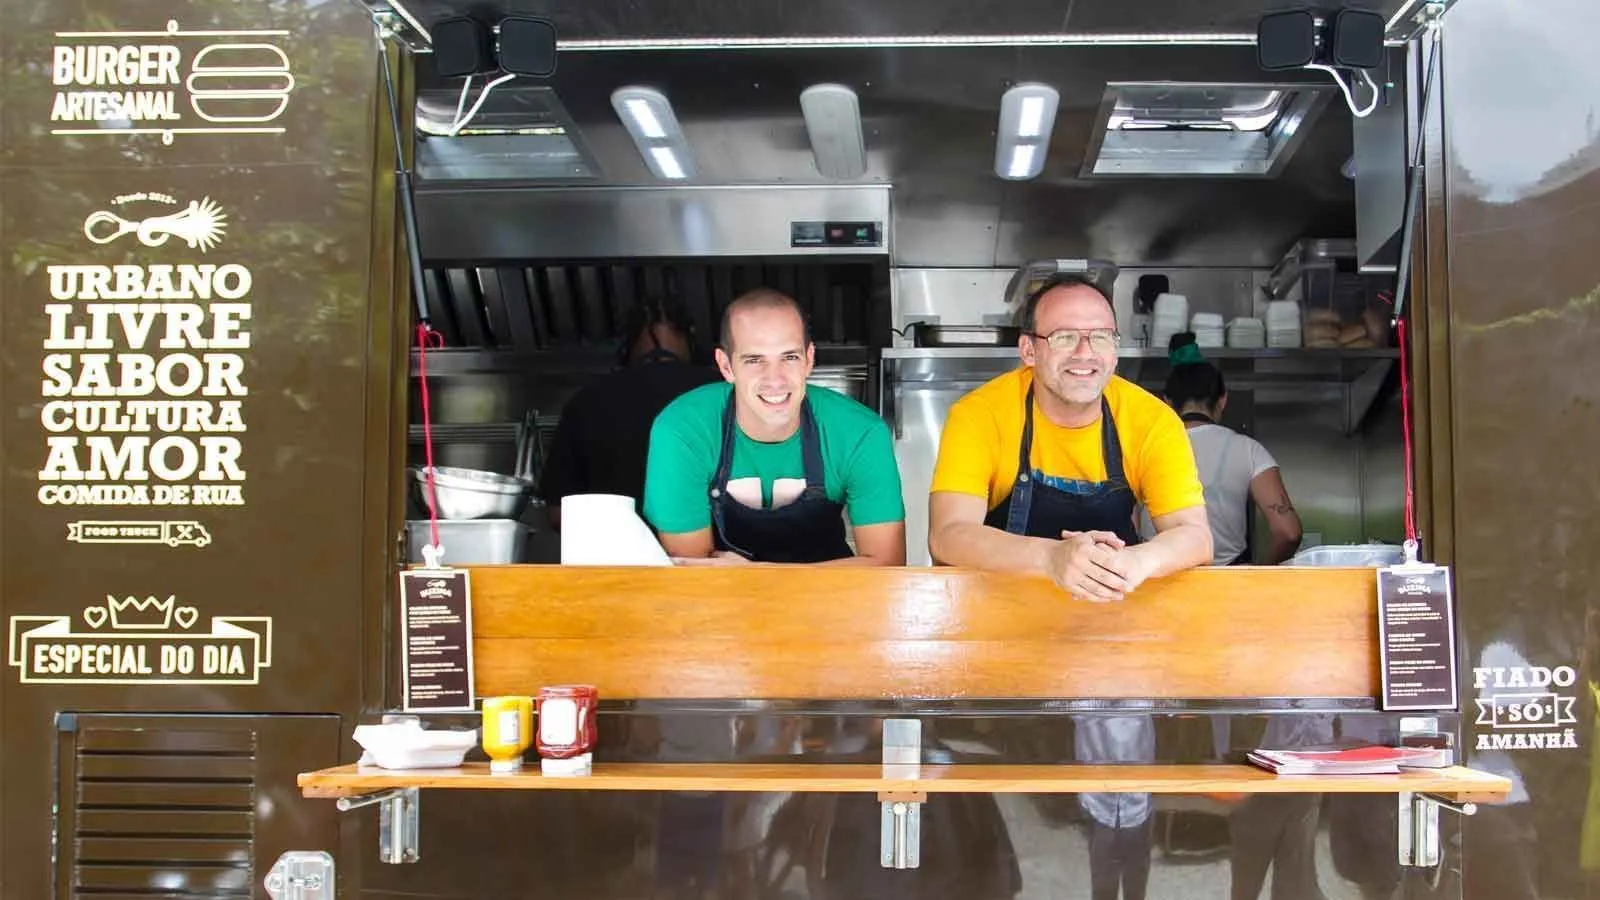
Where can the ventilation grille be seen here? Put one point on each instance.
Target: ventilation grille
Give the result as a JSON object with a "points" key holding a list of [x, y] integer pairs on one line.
{"points": [[534, 309], [160, 813]]}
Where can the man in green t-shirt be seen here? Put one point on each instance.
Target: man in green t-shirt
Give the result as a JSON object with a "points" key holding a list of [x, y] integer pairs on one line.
{"points": [[763, 468]]}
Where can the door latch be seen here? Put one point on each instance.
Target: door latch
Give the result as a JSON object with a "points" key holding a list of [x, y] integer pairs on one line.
{"points": [[301, 875]]}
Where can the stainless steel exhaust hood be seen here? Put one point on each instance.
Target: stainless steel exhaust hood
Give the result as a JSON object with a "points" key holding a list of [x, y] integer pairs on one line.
{"points": [[506, 223]]}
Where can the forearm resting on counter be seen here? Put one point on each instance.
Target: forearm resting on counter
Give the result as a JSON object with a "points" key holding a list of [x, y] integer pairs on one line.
{"points": [[958, 537], [1182, 541]]}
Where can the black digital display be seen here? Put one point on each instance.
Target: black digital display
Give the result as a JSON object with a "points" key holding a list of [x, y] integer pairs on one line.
{"points": [[835, 234]]}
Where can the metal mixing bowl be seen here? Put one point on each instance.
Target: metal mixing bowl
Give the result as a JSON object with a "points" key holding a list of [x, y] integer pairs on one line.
{"points": [[475, 494]]}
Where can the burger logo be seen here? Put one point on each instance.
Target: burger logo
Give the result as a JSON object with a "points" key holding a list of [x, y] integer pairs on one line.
{"points": [[239, 83], [170, 82]]}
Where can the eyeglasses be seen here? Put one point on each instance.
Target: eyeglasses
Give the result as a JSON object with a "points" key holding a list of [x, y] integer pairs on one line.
{"points": [[1101, 340]]}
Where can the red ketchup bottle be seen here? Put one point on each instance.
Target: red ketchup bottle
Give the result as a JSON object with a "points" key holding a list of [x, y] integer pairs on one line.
{"points": [[566, 733]]}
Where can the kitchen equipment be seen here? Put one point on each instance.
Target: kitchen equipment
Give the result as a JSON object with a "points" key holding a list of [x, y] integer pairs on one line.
{"points": [[474, 493], [1027, 278], [929, 334], [1350, 556], [850, 381], [472, 541]]}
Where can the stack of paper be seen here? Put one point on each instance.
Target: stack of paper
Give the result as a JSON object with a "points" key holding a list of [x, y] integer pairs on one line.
{"points": [[1366, 759], [604, 530]]}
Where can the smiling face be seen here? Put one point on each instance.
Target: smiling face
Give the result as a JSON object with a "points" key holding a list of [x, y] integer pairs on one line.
{"points": [[1080, 357], [768, 360]]}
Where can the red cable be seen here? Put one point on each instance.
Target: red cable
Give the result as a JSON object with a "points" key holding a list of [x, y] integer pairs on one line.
{"points": [[425, 333], [1405, 431]]}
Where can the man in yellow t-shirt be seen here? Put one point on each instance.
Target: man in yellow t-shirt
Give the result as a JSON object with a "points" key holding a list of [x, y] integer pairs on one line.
{"points": [[1041, 469]]}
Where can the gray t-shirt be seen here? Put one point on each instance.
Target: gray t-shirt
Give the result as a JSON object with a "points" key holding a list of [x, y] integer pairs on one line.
{"points": [[1228, 461]]}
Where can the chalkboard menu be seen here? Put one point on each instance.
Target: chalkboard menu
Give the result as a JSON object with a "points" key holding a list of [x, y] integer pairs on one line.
{"points": [[1416, 629], [436, 628]]}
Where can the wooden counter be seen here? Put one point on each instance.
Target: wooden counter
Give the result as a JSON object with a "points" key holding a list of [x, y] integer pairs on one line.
{"points": [[1458, 783], [760, 632]]}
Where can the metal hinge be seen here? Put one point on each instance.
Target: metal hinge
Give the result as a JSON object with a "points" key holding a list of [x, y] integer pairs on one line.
{"points": [[1419, 827], [398, 822], [301, 875], [900, 826]]}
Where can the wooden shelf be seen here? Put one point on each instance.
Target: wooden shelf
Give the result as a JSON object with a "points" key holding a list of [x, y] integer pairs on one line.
{"points": [[1458, 783]]}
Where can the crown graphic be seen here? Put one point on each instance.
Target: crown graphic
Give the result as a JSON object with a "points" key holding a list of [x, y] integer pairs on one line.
{"points": [[134, 614]]}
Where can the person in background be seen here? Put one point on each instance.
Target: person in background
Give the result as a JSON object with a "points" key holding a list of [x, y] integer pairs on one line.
{"points": [[1041, 469], [764, 468], [1235, 468], [601, 442], [1273, 834]]}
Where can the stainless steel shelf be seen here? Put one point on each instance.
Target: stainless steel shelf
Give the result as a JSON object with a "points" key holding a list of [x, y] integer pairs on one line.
{"points": [[1358, 375], [1322, 354]]}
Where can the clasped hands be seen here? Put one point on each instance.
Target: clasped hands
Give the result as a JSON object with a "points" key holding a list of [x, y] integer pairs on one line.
{"points": [[1097, 565]]}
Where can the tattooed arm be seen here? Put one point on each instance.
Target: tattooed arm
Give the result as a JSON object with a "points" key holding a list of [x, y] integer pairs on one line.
{"points": [[1272, 498]]}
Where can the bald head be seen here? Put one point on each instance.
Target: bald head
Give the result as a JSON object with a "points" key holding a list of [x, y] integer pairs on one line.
{"points": [[760, 300], [1056, 289]]}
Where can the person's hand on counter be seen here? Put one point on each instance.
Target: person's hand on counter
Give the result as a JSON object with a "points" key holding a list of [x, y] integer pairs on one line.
{"points": [[1091, 565]]}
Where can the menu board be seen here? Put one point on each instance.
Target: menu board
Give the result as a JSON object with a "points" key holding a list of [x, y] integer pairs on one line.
{"points": [[1416, 630], [436, 628]]}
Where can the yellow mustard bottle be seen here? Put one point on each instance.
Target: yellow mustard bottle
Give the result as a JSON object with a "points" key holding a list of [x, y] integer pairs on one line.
{"points": [[507, 731]]}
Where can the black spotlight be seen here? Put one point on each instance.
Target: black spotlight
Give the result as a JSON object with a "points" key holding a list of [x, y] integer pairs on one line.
{"points": [[1286, 40], [528, 46], [1357, 39], [462, 45]]}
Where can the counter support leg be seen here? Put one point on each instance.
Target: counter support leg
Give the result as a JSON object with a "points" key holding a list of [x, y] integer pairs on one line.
{"points": [[398, 827], [900, 831], [1419, 827], [397, 821]]}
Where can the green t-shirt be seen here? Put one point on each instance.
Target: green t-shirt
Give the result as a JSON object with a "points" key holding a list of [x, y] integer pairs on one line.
{"points": [[858, 463]]}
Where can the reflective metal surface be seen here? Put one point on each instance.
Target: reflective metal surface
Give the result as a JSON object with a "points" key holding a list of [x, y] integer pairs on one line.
{"points": [[1522, 307], [682, 18], [640, 223], [929, 120]]}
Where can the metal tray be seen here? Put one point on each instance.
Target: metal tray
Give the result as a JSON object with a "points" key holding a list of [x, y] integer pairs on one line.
{"points": [[923, 334]]}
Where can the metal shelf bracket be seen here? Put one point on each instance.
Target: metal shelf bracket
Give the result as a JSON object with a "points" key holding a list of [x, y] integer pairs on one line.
{"points": [[900, 831], [1419, 827], [398, 818]]}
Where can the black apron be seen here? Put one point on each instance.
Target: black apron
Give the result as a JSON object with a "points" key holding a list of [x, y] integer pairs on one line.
{"points": [[809, 530], [1243, 559], [1042, 510]]}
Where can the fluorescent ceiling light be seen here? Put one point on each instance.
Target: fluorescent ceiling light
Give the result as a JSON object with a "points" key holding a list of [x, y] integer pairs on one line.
{"points": [[649, 126], [1027, 116], [1022, 160], [833, 122], [666, 163], [1032, 118], [651, 123]]}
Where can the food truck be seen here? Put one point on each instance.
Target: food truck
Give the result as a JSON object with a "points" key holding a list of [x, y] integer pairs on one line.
{"points": [[222, 224]]}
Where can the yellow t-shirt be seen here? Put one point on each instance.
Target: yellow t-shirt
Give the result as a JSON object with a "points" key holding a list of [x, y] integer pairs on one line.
{"points": [[983, 435]]}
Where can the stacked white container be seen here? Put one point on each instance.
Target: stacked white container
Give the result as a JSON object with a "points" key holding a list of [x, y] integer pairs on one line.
{"points": [[1207, 328], [1170, 317], [1247, 334], [1283, 323]]}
